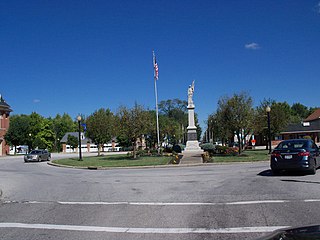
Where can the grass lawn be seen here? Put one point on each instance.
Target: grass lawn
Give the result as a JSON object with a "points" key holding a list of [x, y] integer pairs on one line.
{"points": [[125, 161], [114, 161], [246, 156]]}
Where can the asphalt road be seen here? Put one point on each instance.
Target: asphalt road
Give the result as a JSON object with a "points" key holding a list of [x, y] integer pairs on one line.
{"points": [[228, 201]]}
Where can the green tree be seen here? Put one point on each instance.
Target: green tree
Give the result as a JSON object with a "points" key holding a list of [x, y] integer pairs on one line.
{"points": [[40, 132], [235, 114], [176, 110], [60, 126], [100, 127], [72, 141], [170, 129], [151, 128], [132, 124], [299, 111], [17, 133], [32, 130], [280, 117], [44, 138], [217, 129]]}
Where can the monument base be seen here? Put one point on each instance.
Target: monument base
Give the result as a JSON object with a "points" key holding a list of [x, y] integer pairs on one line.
{"points": [[192, 154], [193, 146]]}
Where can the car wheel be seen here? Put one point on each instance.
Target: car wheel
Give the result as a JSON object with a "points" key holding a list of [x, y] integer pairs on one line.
{"points": [[275, 172], [39, 159], [49, 158], [314, 169]]}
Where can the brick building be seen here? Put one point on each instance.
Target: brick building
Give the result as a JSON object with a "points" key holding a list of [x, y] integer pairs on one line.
{"points": [[308, 127], [4, 125]]}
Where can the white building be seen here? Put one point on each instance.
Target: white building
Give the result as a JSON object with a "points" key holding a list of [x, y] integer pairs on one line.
{"points": [[87, 145]]}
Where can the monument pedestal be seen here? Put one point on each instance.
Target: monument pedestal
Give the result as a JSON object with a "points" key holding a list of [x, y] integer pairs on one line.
{"points": [[192, 142], [192, 146]]}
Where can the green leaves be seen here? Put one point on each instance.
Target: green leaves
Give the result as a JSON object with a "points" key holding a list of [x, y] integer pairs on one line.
{"points": [[101, 126], [38, 132], [235, 116], [72, 141]]}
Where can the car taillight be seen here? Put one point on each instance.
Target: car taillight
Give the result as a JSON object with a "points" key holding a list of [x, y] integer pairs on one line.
{"points": [[303, 154], [275, 154]]}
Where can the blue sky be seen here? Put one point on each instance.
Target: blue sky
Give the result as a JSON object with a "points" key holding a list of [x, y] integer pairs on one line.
{"points": [[78, 56]]}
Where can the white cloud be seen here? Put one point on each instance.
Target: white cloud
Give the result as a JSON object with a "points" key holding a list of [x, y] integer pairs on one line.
{"points": [[252, 46], [318, 7], [36, 100]]}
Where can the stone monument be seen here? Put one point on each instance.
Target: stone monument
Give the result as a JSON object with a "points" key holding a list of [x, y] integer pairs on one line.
{"points": [[192, 140]]}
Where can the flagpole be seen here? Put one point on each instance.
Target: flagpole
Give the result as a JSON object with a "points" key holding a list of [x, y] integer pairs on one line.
{"points": [[156, 94], [157, 113]]}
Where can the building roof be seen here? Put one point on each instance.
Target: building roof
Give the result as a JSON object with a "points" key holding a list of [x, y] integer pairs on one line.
{"points": [[310, 124], [4, 107], [313, 126], [84, 140], [314, 116]]}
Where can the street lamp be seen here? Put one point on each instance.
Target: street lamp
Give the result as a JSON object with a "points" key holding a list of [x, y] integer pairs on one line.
{"points": [[30, 142], [79, 124], [268, 110]]}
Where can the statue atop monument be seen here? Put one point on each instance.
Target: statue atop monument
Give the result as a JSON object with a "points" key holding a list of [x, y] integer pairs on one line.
{"points": [[190, 93]]}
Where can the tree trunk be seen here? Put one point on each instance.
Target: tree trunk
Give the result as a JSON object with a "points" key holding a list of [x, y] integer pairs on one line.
{"points": [[240, 143], [99, 145], [134, 150]]}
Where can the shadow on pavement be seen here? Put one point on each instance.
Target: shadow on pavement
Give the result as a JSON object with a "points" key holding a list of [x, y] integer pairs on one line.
{"points": [[299, 181], [269, 173]]}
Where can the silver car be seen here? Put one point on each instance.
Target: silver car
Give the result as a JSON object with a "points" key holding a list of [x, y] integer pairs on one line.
{"points": [[37, 156]]}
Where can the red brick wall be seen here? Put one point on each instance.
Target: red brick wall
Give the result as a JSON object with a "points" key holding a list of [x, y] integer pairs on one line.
{"points": [[4, 128]]}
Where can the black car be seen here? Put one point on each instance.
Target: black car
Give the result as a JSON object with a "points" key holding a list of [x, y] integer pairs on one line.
{"points": [[295, 154]]}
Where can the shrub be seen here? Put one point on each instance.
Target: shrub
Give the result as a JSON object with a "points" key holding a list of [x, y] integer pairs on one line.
{"points": [[227, 150], [167, 149], [141, 153], [182, 146], [175, 159], [206, 157], [130, 148], [154, 152], [177, 148], [207, 147], [232, 151]]}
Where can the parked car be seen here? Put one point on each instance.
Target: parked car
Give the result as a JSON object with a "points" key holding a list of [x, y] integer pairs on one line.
{"points": [[38, 156], [295, 154]]}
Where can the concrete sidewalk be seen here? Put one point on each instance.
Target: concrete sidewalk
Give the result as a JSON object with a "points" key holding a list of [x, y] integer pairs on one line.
{"points": [[191, 157]]}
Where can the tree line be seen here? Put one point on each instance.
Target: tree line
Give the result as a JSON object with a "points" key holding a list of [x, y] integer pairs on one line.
{"points": [[126, 124], [236, 116]]}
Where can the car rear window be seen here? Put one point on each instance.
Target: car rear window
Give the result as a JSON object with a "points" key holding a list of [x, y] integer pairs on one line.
{"points": [[293, 145], [35, 152]]}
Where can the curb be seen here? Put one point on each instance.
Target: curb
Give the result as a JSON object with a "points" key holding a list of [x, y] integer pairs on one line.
{"points": [[149, 167], [111, 168]]}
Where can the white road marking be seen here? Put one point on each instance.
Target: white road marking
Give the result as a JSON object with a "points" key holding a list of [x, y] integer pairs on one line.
{"points": [[186, 203], [169, 203], [142, 230], [312, 200], [257, 202]]}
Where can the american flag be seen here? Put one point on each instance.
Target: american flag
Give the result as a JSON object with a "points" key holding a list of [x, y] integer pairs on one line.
{"points": [[156, 68]]}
